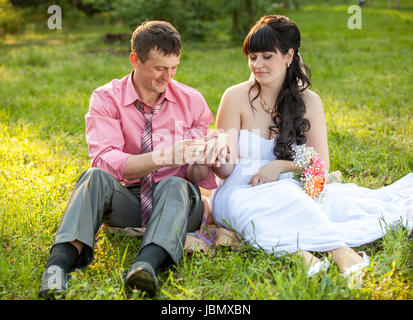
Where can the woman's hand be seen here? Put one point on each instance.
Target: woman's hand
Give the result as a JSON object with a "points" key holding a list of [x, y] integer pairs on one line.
{"points": [[218, 150], [267, 173], [271, 172]]}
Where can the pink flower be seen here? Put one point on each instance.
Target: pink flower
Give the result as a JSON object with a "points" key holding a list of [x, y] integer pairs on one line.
{"points": [[318, 166], [313, 176]]}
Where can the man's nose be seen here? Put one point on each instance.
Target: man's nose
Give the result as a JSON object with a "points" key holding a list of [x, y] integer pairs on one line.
{"points": [[168, 75]]}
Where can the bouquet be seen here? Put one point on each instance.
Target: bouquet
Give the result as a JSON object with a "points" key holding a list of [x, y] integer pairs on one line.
{"points": [[312, 175]]}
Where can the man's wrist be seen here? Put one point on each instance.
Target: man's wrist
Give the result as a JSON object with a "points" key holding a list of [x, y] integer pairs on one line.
{"points": [[163, 158]]}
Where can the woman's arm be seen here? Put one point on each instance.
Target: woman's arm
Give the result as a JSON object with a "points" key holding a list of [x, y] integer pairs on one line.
{"points": [[229, 121], [317, 135], [271, 171]]}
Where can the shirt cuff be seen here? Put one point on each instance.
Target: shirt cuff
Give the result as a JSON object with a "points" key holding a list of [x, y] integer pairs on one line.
{"points": [[113, 161]]}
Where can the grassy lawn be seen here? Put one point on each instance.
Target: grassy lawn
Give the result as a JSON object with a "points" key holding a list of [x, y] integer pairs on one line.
{"points": [[47, 76]]}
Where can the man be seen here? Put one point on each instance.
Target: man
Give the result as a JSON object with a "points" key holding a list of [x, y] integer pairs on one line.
{"points": [[146, 137]]}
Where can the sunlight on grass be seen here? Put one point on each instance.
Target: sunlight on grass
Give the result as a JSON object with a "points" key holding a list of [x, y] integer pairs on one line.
{"points": [[35, 182]]}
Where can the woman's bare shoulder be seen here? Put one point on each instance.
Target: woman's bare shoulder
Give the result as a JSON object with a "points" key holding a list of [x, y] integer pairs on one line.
{"points": [[238, 91], [230, 108], [310, 96], [234, 98], [312, 101]]}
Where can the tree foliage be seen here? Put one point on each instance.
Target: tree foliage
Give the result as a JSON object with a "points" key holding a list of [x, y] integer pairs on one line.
{"points": [[10, 19], [192, 18], [188, 16]]}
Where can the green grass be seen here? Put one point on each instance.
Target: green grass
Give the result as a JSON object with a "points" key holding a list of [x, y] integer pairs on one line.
{"points": [[46, 79]]}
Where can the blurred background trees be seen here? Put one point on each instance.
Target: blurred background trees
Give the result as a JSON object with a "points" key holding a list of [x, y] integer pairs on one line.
{"points": [[194, 19]]}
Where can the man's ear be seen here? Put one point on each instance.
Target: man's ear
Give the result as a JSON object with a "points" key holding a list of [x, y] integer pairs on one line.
{"points": [[133, 58]]}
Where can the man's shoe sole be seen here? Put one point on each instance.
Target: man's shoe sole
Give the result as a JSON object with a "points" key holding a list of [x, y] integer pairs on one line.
{"points": [[143, 280]]}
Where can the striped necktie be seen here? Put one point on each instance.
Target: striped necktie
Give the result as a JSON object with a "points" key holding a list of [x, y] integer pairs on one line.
{"points": [[146, 181]]}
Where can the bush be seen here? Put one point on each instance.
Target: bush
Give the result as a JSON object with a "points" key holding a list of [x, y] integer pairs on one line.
{"points": [[194, 19], [10, 18], [245, 13], [191, 17], [87, 6], [188, 16]]}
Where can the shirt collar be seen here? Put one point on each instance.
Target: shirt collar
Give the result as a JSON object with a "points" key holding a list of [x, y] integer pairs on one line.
{"points": [[131, 95]]}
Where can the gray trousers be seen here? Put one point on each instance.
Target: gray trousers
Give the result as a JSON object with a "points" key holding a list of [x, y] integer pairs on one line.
{"points": [[98, 197]]}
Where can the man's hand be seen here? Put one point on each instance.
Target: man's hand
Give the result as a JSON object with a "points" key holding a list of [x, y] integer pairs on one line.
{"points": [[213, 150], [216, 153], [218, 149], [181, 152]]}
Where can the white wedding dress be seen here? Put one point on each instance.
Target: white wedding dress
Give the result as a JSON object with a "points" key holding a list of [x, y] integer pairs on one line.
{"points": [[280, 217]]}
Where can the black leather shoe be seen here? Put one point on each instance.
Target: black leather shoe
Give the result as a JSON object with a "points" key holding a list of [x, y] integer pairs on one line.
{"points": [[142, 276], [54, 281]]}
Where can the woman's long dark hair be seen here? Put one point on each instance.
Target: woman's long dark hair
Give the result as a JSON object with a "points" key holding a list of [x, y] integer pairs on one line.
{"points": [[278, 33]]}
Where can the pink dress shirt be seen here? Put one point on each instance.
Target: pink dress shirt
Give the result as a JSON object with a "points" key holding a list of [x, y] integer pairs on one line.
{"points": [[114, 126]]}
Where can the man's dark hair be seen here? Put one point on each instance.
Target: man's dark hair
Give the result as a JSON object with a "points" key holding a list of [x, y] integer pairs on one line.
{"points": [[159, 35]]}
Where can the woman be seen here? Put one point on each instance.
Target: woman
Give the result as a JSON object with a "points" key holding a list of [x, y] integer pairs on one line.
{"points": [[265, 117]]}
